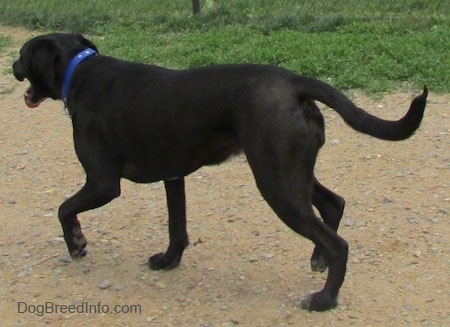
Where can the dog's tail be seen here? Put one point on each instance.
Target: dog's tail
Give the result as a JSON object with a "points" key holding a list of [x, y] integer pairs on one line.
{"points": [[361, 120]]}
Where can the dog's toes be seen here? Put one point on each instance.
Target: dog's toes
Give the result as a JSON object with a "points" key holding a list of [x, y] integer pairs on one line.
{"points": [[77, 243], [159, 261], [77, 249], [78, 254], [155, 261], [318, 302], [319, 264], [305, 303], [318, 261]]}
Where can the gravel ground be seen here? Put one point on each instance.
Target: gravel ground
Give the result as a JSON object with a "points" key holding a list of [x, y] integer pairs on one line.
{"points": [[244, 267]]}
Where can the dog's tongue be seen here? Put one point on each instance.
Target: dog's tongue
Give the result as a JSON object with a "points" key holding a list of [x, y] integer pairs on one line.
{"points": [[28, 99], [29, 103]]}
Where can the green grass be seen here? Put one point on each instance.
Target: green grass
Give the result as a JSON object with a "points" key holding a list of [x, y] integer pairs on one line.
{"points": [[4, 42], [375, 46]]}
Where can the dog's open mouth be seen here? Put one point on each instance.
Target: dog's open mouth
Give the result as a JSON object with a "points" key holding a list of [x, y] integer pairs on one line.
{"points": [[30, 98]]}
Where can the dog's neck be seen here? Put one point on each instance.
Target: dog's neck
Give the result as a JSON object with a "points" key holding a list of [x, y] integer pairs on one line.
{"points": [[71, 69]]}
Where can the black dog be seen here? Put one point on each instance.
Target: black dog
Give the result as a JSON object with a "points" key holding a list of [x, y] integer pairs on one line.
{"points": [[147, 123]]}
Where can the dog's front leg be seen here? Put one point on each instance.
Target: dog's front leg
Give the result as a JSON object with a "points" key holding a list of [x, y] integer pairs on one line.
{"points": [[176, 204], [92, 195]]}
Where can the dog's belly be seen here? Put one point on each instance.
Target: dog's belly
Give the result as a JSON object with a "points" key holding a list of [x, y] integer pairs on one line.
{"points": [[179, 161], [144, 174]]}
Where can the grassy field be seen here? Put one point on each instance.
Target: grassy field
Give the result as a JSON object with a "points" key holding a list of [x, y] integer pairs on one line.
{"points": [[371, 45]]}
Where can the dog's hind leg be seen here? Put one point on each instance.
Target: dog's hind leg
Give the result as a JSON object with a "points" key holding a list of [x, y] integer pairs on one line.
{"points": [[94, 194], [297, 213], [176, 203], [289, 192], [331, 208], [283, 167]]}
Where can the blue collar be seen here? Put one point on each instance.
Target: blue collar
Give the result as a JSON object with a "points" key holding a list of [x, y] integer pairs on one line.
{"points": [[71, 68]]}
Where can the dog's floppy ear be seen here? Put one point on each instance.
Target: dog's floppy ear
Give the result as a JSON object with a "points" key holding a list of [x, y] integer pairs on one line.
{"points": [[87, 43], [47, 55]]}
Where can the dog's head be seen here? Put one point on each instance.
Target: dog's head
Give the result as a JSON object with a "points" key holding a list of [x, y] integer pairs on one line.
{"points": [[43, 62]]}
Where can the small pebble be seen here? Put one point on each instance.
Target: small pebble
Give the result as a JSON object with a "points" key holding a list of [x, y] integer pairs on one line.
{"points": [[387, 200], [25, 271], [106, 283], [444, 211], [65, 259]]}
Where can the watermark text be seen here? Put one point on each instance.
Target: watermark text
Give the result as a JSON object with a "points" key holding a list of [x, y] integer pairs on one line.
{"points": [[49, 307]]}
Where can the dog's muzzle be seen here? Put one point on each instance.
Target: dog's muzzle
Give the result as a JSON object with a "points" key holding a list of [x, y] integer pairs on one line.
{"points": [[18, 71]]}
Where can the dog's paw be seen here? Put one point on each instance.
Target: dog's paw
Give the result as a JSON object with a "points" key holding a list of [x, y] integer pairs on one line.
{"points": [[159, 261], [77, 249], [319, 264], [318, 302], [78, 254]]}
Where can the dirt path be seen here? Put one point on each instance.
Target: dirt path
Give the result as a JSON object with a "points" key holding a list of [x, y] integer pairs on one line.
{"points": [[244, 267]]}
